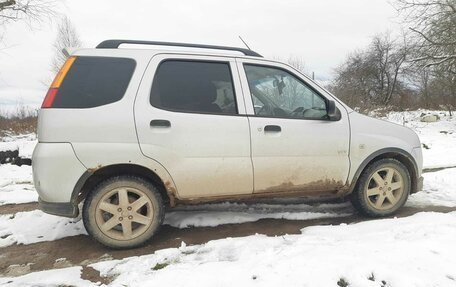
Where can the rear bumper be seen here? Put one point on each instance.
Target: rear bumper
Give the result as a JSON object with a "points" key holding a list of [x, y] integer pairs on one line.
{"points": [[66, 209], [56, 171]]}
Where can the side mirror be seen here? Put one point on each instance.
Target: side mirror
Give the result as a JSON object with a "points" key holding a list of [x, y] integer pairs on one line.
{"points": [[332, 111]]}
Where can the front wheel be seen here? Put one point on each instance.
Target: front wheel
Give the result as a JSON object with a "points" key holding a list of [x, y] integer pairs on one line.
{"points": [[382, 188], [123, 212]]}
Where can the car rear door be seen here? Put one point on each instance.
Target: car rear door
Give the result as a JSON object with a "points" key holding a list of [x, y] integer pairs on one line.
{"points": [[294, 147], [190, 117]]}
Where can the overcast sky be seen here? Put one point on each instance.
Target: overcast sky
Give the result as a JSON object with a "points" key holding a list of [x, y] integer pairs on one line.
{"points": [[321, 33]]}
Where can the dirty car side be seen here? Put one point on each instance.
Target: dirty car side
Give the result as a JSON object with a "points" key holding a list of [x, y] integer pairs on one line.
{"points": [[203, 157]]}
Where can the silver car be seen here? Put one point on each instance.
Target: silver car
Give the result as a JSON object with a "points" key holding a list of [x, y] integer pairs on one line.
{"points": [[130, 132]]}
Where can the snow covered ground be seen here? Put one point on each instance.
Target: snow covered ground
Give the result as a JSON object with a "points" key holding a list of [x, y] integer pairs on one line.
{"points": [[439, 189], [438, 139], [419, 250], [25, 144], [414, 251], [36, 226], [16, 184]]}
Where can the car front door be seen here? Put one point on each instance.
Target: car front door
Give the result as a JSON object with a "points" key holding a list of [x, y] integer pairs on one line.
{"points": [[190, 117], [295, 147]]}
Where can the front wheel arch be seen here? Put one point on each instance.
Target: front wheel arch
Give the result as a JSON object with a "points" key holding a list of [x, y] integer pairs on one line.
{"points": [[394, 153]]}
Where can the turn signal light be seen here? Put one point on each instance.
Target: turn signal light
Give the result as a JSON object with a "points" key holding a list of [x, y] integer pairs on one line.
{"points": [[53, 90]]}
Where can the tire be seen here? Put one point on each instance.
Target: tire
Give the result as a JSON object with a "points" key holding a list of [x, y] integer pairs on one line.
{"points": [[123, 212], [382, 188]]}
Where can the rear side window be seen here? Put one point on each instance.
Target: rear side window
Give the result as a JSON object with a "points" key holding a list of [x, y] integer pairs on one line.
{"points": [[194, 86], [94, 81]]}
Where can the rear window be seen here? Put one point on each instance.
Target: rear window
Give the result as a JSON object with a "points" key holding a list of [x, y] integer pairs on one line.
{"points": [[94, 81], [194, 87]]}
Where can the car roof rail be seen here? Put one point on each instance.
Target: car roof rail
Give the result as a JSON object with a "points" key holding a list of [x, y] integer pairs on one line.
{"points": [[114, 44]]}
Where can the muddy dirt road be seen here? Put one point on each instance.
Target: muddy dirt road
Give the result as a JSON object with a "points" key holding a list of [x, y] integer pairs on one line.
{"points": [[81, 250]]}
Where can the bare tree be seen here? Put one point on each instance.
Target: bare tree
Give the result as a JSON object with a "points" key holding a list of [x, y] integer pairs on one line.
{"points": [[443, 88], [297, 63], [420, 79], [67, 36], [434, 26], [29, 10], [372, 77], [294, 90], [388, 56]]}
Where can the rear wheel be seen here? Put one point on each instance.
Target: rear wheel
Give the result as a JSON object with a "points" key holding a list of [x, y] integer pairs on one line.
{"points": [[123, 212], [382, 188]]}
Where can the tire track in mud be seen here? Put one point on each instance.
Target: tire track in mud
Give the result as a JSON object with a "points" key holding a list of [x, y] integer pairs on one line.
{"points": [[15, 208], [434, 169], [82, 250]]}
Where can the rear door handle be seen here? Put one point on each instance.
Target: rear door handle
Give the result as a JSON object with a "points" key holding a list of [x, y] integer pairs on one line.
{"points": [[272, 128], [160, 123]]}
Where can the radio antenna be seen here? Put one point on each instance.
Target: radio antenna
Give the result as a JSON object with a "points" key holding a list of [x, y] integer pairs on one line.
{"points": [[244, 43]]}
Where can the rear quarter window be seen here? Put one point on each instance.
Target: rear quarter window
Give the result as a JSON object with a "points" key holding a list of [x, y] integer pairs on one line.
{"points": [[94, 81]]}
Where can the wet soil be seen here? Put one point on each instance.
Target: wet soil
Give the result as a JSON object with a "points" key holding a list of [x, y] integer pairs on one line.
{"points": [[15, 208]]}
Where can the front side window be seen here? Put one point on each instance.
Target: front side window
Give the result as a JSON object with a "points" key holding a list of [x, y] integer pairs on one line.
{"points": [[277, 93], [194, 86]]}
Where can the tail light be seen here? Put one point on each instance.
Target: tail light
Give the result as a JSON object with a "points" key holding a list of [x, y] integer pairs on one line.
{"points": [[54, 89]]}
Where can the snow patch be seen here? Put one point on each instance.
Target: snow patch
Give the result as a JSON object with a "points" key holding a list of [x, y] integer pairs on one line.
{"points": [[57, 277], [439, 190], [412, 251], [438, 138], [36, 226], [232, 213], [25, 143], [16, 184]]}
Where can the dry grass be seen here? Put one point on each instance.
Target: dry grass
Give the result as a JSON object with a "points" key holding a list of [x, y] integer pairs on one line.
{"points": [[22, 120]]}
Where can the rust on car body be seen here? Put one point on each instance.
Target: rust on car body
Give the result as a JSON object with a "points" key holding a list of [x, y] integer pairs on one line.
{"points": [[172, 193], [94, 169]]}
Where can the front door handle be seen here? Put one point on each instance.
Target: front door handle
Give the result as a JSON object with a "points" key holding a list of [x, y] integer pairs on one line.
{"points": [[272, 128], [160, 123]]}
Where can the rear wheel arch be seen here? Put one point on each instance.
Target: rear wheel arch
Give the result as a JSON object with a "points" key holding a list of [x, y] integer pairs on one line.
{"points": [[394, 153], [90, 179]]}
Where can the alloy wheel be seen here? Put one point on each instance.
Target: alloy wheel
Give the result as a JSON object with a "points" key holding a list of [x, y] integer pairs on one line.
{"points": [[124, 213], [385, 188]]}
